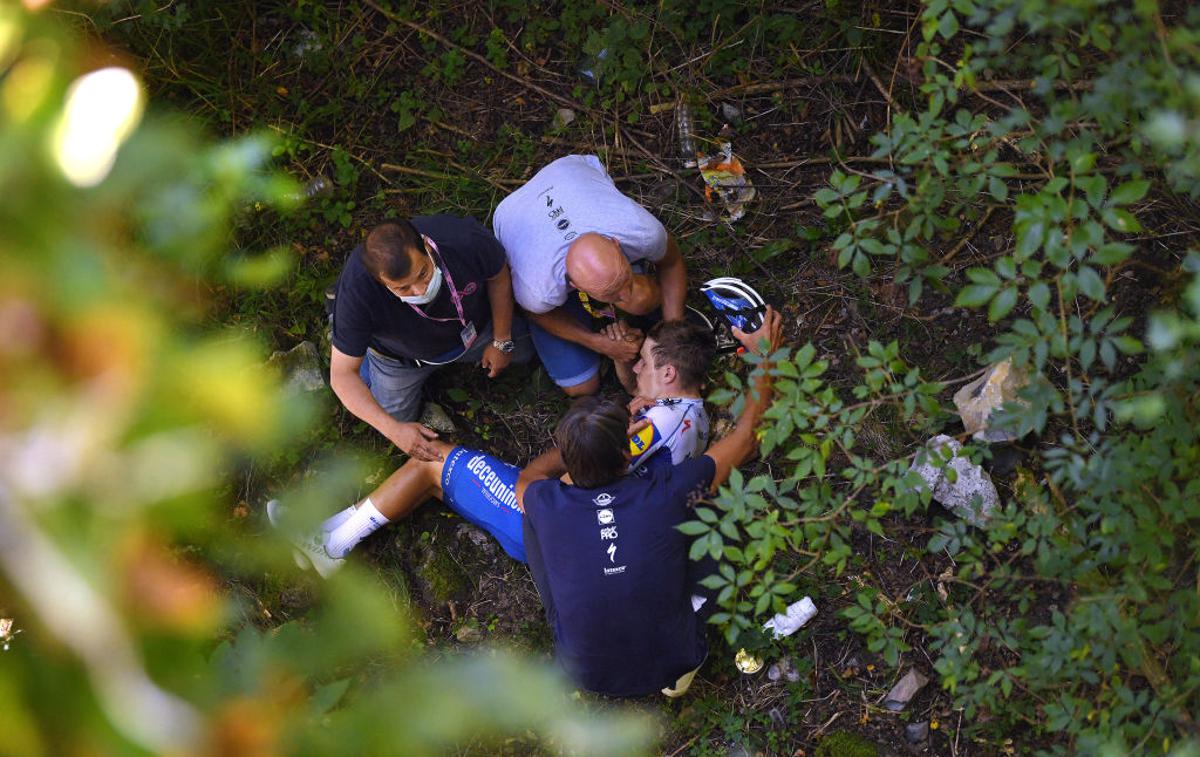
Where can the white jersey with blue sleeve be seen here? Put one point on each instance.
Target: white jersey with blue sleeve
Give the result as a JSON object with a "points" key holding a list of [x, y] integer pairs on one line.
{"points": [[678, 424]]}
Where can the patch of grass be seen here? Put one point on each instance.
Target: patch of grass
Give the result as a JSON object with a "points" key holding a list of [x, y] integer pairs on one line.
{"points": [[443, 577], [845, 744]]}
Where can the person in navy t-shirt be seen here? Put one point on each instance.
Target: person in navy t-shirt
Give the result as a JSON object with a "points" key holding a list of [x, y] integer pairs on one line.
{"points": [[610, 565], [416, 295]]}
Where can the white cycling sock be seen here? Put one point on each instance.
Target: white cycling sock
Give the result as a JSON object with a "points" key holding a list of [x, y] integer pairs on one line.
{"points": [[364, 521], [338, 518]]}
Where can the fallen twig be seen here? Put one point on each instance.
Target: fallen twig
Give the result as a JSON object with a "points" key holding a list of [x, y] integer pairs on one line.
{"points": [[970, 235]]}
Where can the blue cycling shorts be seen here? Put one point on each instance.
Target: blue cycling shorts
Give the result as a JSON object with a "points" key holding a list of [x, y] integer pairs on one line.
{"points": [[483, 489]]}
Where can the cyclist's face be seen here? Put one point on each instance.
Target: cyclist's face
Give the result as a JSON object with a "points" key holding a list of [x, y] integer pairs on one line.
{"points": [[650, 378]]}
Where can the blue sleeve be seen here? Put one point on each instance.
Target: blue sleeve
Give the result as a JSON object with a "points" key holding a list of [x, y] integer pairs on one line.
{"points": [[535, 497]]}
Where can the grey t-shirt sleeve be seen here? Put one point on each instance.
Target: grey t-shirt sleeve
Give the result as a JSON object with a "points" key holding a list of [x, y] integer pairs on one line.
{"points": [[540, 290], [642, 236]]}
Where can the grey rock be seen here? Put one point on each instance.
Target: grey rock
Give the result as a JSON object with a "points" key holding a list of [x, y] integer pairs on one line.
{"points": [[300, 368], [774, 672], [731, 113], [477, 537], [308, 42], [468, 633], [563, 117], [979, 399], [783, 669], [435, 417], [916, 732], [904, 690], [970, 482]]}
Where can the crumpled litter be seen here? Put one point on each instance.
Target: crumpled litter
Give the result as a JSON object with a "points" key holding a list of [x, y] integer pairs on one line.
{"points": [[979, 399], [726, 180], [787, 623], [970, 480]]}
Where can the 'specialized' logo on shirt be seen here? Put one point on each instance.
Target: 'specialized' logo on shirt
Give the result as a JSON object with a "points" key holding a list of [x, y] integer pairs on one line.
{"points": [[603, 499]]}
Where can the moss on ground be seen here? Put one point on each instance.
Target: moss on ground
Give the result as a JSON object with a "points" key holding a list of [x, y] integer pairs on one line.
{"points": [[443, 577], [845, 744]]}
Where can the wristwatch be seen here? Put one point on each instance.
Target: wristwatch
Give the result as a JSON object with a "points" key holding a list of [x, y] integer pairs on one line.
{"points": [[504, 345]]}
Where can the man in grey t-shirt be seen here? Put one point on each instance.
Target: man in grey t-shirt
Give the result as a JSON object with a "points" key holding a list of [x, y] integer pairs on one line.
{"points": [[568, 231]]}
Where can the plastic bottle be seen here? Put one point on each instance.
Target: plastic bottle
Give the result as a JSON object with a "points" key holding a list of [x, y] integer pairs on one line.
{"points": [[318, 187], [687, 145]]}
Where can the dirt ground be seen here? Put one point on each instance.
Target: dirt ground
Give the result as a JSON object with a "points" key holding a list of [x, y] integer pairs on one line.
{"points": [[473, 138]]}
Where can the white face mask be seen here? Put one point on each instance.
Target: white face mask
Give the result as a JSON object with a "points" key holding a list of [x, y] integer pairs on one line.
{"points": [[431, 291]]}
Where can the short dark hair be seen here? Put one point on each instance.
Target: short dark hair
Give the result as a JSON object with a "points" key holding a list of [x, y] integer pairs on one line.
{"points": [[687, 346], [389, 249], [592, 439]]}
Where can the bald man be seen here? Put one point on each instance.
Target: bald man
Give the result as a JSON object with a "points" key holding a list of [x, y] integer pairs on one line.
{"points": [[578, 248]]}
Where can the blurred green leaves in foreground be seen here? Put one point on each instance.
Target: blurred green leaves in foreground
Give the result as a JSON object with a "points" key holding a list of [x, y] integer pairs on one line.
{"points": [[121, 417]]}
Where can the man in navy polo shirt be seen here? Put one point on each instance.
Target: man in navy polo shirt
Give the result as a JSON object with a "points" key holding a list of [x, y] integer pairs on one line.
{"points": [[610, 565], [414, 296]]}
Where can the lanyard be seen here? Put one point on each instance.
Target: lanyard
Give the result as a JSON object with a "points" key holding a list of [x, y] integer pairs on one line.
{"points": [[454, 296]]}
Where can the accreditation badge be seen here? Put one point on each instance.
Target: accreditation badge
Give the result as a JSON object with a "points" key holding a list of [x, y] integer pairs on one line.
{"points": [[468, 335]]}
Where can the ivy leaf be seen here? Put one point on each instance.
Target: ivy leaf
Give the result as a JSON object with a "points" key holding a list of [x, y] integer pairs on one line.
{"points": [[984, 276], [948, 25], [1039, 295], [975, 295], [1129, 345], [1002, 304], [1129, 192], [1090, 283], [1094, 188], [1121, 220], [825, 196], [861, 265], [1083, 163], [1029, 238], [692, 528], [1112, 253], [998, 188]]}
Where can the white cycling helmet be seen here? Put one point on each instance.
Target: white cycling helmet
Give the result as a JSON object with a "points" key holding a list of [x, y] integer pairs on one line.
{"points": [[736, 301]]}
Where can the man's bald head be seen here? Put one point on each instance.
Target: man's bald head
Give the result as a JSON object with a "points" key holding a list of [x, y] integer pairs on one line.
{"points": [[596, 265]]}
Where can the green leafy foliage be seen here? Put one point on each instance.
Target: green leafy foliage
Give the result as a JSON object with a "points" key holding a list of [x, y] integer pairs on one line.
{"points": [[1073, 611]]}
